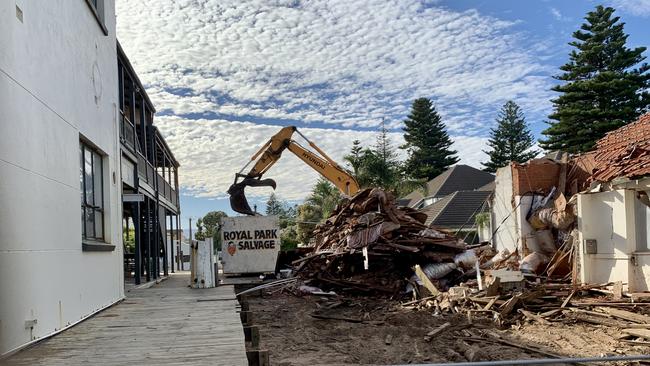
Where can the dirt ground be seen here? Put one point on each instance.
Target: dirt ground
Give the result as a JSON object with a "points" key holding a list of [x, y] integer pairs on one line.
{"points": [[377, 331]]}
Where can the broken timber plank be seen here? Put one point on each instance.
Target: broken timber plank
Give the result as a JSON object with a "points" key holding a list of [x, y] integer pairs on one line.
{"points": [[417, 301], [598, 320], [568, 298], [326, 317], [509, 305], [643, 333], [626, 315], [497, 339], [485, 300], [436, 331], [550, 313], [488, 306], [533, 316], [426, 281]]}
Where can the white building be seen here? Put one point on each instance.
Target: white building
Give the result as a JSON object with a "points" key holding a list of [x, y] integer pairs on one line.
{"points": [[611, 186], [614, 215], [61, 252], [79, 158]]}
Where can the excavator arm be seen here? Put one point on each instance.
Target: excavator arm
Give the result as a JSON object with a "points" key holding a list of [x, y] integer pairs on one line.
{"points": [[271, 152]]}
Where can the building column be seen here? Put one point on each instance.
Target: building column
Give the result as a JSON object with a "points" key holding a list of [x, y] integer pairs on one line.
{"points": [[135, 207], [180, 244], [147, 232], [171, 241]]}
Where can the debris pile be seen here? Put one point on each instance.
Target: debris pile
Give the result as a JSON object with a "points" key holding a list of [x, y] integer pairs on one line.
{"points": [[370, 245], [510, 300]]}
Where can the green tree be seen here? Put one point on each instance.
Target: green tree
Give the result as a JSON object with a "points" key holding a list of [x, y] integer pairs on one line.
{"points": [[289, 237], [511, 140], [364, 163], [274, 206], [306, 220], [380, 167], [209, 227], [602, 89], [355, 157], [287, 216], [427, 142], [381, 162], [325, 196]]}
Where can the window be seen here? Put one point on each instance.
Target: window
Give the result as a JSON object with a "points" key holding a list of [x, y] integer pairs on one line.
{"points": [[92, 197], [97, 7]]}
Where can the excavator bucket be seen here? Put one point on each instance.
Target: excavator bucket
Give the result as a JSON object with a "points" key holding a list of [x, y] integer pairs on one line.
{"points": [[238, 201]]}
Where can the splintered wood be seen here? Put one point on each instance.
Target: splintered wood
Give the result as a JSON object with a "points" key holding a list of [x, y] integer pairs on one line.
{"points": [[370, 245]]}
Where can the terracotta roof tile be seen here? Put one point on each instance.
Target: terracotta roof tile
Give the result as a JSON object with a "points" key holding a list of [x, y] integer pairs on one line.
{"points": [[624, 153]]}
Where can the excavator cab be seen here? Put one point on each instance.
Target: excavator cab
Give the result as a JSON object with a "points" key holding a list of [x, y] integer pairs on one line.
{"points": [[238, 201]]}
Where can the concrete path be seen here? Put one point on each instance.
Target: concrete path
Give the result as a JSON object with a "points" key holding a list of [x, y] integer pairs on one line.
{"points": [[166, 324]]}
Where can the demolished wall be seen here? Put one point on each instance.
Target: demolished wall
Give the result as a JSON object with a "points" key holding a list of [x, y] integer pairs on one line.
{"points": [[503, 221]]}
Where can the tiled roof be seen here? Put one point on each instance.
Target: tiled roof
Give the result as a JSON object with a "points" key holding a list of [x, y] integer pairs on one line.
{"points": [[411, 198], [624, 153], [456, 209], [457, 178]]}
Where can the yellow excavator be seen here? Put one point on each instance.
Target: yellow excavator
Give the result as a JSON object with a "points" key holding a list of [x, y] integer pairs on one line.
{"points": [[271, 152]]}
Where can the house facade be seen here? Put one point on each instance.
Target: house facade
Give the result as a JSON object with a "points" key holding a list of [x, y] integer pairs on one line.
{"points": [[67, 165]]}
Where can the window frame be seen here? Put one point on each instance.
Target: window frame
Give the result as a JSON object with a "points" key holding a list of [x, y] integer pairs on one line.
{"points": [[97, 194], [99, 12]]}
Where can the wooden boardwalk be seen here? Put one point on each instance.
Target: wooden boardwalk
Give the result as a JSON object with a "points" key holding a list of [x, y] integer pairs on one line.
{"points": [[167, 324]]}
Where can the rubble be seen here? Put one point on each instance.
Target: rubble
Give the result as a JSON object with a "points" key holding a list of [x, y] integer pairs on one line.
{"points": [[370, 245]]}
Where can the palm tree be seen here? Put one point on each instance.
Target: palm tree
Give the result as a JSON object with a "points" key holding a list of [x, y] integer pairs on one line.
{"points": [[324, 196]]}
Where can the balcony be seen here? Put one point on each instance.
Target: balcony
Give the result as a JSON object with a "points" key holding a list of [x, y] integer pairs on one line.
{"points": [[147, 173], [165, 189], [127, 133]]}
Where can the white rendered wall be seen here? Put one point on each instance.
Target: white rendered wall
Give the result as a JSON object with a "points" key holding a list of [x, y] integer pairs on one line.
{"points": [[47, 99], [604, 217], [502, 208], [640, 270]]}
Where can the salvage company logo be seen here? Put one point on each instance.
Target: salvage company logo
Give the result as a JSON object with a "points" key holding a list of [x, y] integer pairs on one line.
{"points": [[232, 248], [250, 240]]}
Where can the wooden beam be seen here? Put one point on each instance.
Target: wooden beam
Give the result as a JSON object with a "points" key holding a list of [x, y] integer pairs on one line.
{"points": [[426, 281]]}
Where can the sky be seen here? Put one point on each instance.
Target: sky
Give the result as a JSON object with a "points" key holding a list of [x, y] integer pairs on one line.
{"points": [[225, 75]]}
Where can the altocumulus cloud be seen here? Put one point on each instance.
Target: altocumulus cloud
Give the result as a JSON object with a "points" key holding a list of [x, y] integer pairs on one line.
{"points": [[211, 151], [211, 65]]}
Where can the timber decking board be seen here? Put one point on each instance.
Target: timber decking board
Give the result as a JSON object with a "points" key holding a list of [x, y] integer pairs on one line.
{"points": [[161, 325]]}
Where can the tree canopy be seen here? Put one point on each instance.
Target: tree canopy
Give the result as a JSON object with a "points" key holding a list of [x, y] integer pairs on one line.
{"points": [[605, 85], [208, 227], [427, 143], [511, 140]]}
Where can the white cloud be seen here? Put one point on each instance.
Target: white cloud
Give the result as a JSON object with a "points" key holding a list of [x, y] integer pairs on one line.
{"points": [[339, 63], [558, 15], [634, 7], [212, 151]]}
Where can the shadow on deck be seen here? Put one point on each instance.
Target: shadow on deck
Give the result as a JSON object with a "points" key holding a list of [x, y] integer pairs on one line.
{"points": [[166, 324]]}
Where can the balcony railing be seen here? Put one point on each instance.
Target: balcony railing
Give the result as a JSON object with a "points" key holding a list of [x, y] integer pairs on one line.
{"points": [[165, 189], [127, 132], [148, 174], [146, 171]]}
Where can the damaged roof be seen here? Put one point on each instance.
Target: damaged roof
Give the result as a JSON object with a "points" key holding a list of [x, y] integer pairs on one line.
{"points": [[624, 153], [456, 209]]}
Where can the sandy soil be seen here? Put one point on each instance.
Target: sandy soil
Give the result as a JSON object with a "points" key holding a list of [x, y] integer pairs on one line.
{"points": [[379, 331]]}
